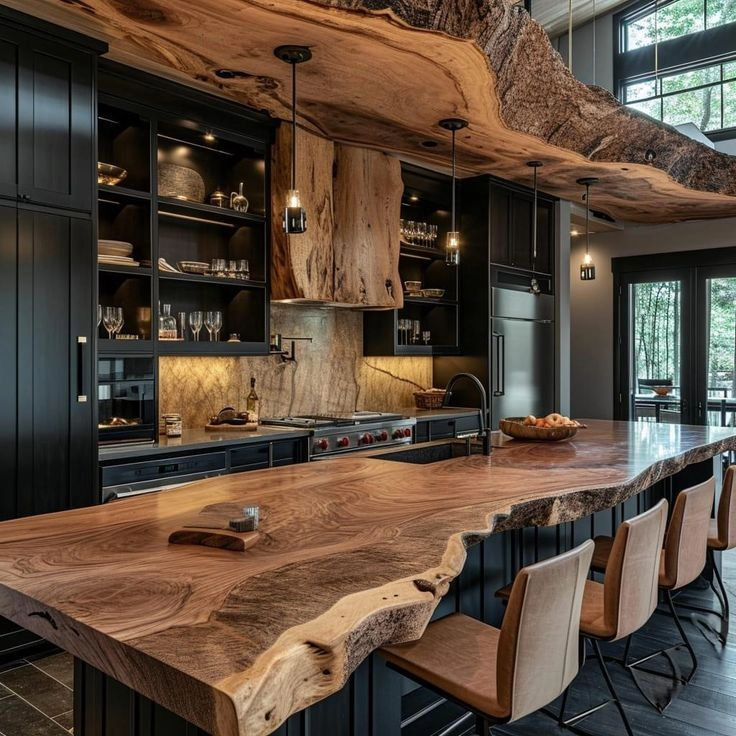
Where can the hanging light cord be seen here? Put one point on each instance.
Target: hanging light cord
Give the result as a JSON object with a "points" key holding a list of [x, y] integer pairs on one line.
{"points": [[534, 222], [594, 59], [454, 172], [569, 35], [587, 219], [293, 126]]}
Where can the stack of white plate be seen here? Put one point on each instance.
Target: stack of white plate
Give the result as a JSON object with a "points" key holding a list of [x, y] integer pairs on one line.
{"points": [[116, 253]]}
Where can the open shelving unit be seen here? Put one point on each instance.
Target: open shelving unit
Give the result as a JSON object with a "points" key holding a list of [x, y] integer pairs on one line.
{"points": [[427, 199], [178, 147]]}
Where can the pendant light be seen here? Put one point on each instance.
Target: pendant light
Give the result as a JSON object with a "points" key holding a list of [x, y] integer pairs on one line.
{"points": [[587, 267], [452, 248], [295, 218]]}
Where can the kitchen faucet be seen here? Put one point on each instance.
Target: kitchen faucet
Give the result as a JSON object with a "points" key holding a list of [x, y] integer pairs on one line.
{"points": [[484, 431]]}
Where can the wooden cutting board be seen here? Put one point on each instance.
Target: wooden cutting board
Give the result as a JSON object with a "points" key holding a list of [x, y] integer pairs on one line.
{"points": [[211, 528]]}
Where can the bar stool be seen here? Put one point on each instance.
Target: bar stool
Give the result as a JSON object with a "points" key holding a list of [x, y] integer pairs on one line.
{"points": [[682, 561], [504, 674], [721, 538], [624, 602]]}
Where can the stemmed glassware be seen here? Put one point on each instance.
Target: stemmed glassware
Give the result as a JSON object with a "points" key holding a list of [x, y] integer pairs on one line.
{"points": [[426, 336], [119, 320], [213, 323], [109, 320], [422, 234], [195, 324]]}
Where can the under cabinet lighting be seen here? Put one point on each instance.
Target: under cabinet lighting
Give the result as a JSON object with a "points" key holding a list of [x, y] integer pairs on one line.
{"points": [[192, 144], [191, 218]]}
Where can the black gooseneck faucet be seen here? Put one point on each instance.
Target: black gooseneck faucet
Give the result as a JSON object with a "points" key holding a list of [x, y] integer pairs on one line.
{"points": [[484, 431]]}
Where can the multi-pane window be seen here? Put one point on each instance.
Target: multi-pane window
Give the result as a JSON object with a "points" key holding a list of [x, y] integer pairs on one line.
{"points": [[675, 19], [705, 96]]}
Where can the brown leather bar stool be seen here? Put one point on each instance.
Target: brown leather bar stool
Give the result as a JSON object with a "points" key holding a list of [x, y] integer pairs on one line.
{"points": [[721, 538], [624, 602], [504, 674], [682, 561]]}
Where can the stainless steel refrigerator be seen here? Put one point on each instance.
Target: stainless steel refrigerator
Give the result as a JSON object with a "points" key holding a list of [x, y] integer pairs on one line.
{"points": [[522, 347]]}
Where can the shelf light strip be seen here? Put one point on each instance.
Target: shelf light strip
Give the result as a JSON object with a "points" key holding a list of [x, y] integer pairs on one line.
{"points": [[196, 145], [195, 219]]}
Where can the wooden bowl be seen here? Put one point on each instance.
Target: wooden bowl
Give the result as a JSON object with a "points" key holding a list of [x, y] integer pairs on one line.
{"points": [[663, 390], [515, 427]]}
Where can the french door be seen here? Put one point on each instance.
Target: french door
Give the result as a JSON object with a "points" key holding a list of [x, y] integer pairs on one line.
{"points": [[654, 346], [675, 334]]}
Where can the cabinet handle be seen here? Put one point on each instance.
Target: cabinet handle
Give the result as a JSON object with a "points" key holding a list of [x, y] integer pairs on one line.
{"points": [[500, 389], [81, 363]]}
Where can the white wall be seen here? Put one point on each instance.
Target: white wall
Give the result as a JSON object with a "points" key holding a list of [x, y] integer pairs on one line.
{"points": [[582, 52], [591, 302]]}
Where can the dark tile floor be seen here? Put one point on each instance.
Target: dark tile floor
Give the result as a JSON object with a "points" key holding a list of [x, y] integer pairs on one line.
{"points": [[36, 697]]}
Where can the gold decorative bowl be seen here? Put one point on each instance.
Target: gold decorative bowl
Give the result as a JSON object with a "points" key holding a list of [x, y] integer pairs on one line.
{"points": [[515, 427], [662, 390], [110, 174]]}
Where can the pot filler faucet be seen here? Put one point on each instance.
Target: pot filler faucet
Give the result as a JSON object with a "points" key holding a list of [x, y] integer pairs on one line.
{"points": [[484, 433]]}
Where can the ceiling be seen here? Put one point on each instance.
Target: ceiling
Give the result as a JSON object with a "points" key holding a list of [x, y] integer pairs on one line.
{"points": [[384, 78], [553, 14]]}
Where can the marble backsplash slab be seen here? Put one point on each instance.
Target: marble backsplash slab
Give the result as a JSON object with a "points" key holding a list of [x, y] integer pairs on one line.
{"points": [[330, 374]]}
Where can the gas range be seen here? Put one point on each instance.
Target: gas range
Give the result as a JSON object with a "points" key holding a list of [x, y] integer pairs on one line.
{"points": [[338, 434]]}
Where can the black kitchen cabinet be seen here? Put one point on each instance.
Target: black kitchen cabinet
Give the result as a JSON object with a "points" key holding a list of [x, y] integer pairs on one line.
{"points": [[509, 223], [48, 269], [47, 118]]}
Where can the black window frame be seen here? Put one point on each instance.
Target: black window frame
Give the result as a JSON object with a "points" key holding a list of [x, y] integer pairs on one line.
{"points": [[685, 53]]}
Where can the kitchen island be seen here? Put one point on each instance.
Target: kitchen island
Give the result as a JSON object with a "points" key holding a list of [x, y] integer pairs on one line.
{"points": [[352, 554]]}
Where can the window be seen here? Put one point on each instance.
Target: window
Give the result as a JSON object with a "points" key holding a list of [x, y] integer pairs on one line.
{"points": [[674, 20], [689, 76], [705, 96]]}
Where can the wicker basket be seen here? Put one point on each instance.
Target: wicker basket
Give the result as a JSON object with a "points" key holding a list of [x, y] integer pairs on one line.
{"points": [[515, 427], [429, 399]]}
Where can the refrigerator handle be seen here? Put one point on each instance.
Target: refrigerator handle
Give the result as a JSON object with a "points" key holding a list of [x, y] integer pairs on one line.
{"points": [[500, 388]]}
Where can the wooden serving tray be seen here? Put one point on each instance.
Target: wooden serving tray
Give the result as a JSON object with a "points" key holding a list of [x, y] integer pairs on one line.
{"points": [[515, 427], [211, 529], [248, 427]]}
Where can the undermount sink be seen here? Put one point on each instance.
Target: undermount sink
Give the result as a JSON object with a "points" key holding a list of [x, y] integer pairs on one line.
{"points": [[426, 454]]}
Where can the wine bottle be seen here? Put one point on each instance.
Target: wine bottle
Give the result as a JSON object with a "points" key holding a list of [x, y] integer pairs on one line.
{"points": [[252, 402]]}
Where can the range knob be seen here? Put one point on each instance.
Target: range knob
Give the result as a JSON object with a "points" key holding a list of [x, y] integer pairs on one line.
{"points": [[322, 444], [398, 434], [382, 436], [407, 432], [367, 439], [343, 442]]}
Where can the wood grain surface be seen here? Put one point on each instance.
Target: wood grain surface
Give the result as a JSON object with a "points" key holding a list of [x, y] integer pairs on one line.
{"points": [[385, 72], [353, 553]]}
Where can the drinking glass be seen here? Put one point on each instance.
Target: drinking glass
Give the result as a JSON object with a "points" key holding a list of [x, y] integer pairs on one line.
{"points": [[119, 320], [181, 325], [416, 331], [195, 324], [108, 320], [242, 269], [214, 319], [99, 315], [426, 336], [218, 267]]}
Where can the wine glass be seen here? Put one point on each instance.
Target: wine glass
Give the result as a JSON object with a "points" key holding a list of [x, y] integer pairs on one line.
{"points": [[426, 336], [195, 324], [99, 315], [119, 319], [108, 320], [213, 323]]}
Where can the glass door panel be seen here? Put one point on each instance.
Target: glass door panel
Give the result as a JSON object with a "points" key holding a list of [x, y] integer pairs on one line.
{"points": [[653, 346], [718, 404]]}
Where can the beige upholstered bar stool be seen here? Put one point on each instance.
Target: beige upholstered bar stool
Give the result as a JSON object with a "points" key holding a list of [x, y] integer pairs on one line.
{"points": [[625, 601], [721, 538], [683, 559], [504, 674]]}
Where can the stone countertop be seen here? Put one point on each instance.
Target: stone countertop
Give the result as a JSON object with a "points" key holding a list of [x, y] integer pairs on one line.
{"points": [[354, 553], [197, 439]]}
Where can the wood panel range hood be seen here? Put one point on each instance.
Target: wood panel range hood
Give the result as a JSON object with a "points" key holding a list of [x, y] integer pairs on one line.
{"points": [[385, 72]]}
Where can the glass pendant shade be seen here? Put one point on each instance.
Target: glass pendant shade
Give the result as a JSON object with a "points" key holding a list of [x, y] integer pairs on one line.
{"points": [[295, 217], [587, 268], [452, 249]]}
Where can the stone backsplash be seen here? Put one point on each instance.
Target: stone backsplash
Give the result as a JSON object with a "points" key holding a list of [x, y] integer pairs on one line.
{"points": [[330, 373]]}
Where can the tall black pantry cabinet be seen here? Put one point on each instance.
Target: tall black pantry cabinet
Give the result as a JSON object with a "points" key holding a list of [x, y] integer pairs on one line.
{"points": [[48, 452]]}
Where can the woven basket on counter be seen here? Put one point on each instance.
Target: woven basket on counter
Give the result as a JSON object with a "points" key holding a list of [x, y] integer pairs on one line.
{"points": [[429, 399]]}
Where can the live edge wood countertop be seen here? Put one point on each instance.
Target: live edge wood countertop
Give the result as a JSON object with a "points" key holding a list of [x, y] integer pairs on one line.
{"points": [[355, 553]]}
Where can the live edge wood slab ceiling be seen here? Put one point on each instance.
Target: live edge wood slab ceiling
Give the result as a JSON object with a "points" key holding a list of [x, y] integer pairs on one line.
{"points": [[385, 71], [355, 553]]}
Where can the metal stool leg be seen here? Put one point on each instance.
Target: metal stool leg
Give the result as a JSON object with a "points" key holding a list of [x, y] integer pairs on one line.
{"points": [[611, 688], [683, 634]]}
